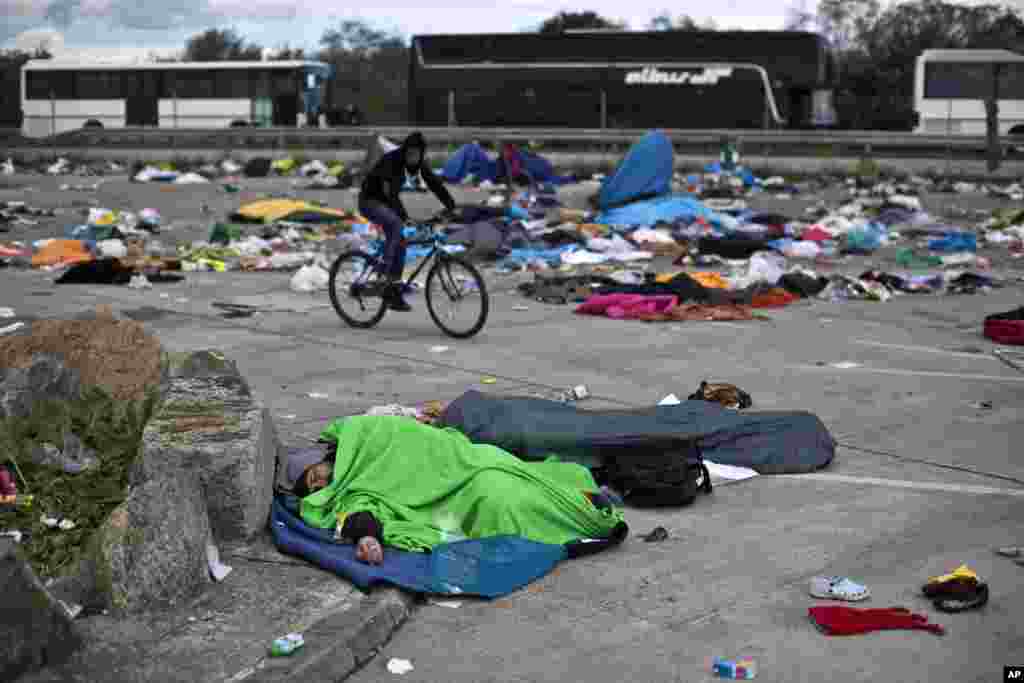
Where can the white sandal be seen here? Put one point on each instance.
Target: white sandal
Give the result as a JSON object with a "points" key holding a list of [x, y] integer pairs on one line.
{"points": [[838, 588]]}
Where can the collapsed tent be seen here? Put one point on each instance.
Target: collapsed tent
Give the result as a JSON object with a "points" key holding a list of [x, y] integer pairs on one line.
{"points": [[470, 159], [272, 210], [768, 442], [645, 172]]}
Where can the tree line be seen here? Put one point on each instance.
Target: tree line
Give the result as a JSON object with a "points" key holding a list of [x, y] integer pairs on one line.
{"points": [[876, 49]]}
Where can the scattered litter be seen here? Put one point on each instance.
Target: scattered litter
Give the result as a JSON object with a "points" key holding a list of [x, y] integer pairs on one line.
{"points": [[982, 405], [16, 535], [844, 365], [489, 380], [520, 308], [140, 281], [49, 522], [310, 279], [579, 392], [399, 667], [72, 609], [657, 535], [450, 604], [11, 328], [6, 312], [218, 570], [670, 400], [66, 525], [741, 669], [316, 394], [438, 349], [288, 645], [730, 472]]}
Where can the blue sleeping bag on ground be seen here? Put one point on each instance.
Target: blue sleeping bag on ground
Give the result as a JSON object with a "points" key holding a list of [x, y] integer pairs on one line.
{"points": [[488, 568], [646, 171], [775, 442]]}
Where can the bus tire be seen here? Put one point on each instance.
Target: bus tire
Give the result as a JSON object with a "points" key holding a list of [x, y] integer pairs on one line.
{"points": [[92, 123], [238, 123], [1015, 136]]}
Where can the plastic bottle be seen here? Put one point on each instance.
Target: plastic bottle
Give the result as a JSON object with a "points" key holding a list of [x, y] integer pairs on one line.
{"points": [[283, 647], [743, 669]]}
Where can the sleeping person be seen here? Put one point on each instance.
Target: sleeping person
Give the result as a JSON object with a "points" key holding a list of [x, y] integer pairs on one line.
{"points": [[398, 483]]}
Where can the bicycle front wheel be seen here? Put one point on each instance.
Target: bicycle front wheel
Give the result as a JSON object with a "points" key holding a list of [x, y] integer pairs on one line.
{"points": [[357, 290], [456, 297]]}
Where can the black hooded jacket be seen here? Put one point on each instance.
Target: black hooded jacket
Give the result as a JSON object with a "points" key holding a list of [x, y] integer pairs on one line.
{"points": [[385, 180]]}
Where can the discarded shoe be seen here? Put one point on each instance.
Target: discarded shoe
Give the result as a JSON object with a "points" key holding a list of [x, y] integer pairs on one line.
{"points": [[961, 581], [838, 588], [969, 600]]}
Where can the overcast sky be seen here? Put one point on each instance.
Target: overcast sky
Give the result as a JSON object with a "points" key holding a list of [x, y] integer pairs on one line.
{"points": [[139, 27]]}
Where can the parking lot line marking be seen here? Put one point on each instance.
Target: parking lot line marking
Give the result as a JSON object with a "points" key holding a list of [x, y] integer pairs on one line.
{"points": [[912, 373], [902, 484], [924, 349]]}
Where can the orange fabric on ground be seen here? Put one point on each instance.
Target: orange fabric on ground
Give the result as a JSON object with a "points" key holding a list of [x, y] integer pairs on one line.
{"points": [[63, 252], [774, 298]]}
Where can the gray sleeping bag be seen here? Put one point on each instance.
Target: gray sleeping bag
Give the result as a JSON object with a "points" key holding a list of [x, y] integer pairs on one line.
{"points": [[531, 428]]}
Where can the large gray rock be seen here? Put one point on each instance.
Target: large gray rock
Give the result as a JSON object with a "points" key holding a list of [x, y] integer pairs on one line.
{"points": [[36, 630], [151, 550], [208, 423], [46, 378]]}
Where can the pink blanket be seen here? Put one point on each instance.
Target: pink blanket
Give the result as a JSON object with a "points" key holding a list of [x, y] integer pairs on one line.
{"points": [[627, 306]]}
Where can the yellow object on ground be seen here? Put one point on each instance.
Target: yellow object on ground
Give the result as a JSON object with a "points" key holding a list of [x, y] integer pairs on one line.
{"points": [[284, 165], [270, 210], [961, 572], [64, 252], [335, 169]]}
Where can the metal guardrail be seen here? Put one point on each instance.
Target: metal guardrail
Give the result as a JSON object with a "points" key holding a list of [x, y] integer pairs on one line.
{"points": [[781, 143], [541, 135]]}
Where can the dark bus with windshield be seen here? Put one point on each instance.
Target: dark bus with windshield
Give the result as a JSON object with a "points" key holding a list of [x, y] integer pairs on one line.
{"points": [[604, 79]]}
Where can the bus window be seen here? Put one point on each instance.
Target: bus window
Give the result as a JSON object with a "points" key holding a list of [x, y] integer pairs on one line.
{"points": [[231, 84], [98, 85], [195, 84], [952, 80], [259, 83], [282, 82], [1011, 81], [41, 84]]}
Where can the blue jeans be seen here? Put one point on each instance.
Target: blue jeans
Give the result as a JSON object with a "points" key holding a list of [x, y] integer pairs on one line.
{"points": [[394, 250]]}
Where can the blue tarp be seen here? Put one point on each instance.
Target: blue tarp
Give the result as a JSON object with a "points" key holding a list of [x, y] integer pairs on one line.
{"points": [[469, 159], [488, 568], [646, 171], [662, 209], [541, 170]]}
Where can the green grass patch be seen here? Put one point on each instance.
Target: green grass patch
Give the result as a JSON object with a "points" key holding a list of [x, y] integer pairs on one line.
{"points": [[114, 430]]}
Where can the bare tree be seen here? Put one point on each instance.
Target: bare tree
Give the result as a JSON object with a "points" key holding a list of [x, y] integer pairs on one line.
{"points": [[684, 22]]}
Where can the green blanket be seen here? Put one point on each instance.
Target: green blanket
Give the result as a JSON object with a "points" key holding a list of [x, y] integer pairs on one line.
{"points": [[429, 486]]}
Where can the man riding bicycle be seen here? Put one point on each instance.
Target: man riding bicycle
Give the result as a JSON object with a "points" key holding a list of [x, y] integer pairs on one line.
{"points": [[380, 202]]}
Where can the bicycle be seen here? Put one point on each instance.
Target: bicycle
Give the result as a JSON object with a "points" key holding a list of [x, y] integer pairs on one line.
{"points": [[369, 285]]}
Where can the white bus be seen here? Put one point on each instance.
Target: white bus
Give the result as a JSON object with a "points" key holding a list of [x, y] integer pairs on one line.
{"points": [[59, 96], [950, 87]]}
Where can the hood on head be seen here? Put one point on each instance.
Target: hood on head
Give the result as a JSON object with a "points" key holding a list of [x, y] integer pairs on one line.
{"points": [[415, 139]]}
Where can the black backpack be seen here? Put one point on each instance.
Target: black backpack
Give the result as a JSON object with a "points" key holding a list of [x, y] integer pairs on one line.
{"points": [[671, 474]]}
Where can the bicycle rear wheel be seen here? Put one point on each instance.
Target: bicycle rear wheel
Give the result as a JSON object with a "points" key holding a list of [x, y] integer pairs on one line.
{"points": [[357, 290], [456, 297]]}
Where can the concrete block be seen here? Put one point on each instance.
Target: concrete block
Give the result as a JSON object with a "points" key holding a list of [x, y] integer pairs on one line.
{"points": [[151, 551], [209, 423], [36, 630]]}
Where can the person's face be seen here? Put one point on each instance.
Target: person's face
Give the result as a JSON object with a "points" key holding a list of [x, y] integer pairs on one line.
{"points": [[318, 476], [413, 157]]}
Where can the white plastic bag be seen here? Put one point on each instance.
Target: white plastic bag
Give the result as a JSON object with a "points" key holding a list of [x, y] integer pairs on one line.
{"points": [[8, 167], [309, 279], [766, 266], [112, 249]]}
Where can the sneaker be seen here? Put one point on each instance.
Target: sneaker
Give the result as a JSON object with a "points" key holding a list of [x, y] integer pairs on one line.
{"points": [[396, 302]]}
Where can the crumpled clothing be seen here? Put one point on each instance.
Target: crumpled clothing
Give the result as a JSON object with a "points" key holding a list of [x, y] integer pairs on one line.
{"points": [[626, 306], [839, 620], [701, 312], [773, 298], [843, 288]]}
